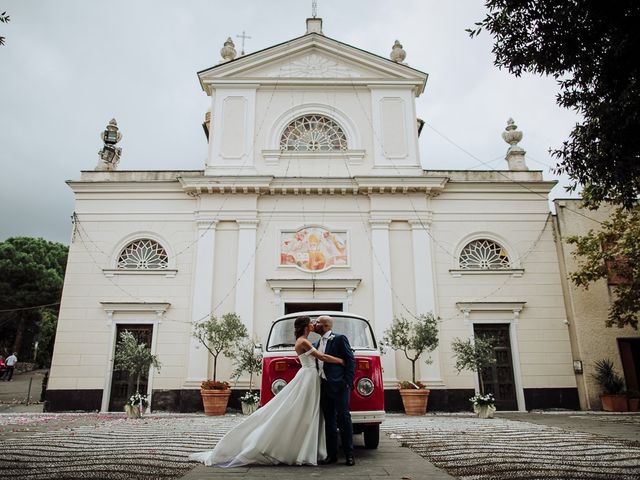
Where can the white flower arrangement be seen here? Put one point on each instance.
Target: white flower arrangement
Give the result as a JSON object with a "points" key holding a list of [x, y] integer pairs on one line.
{"points": [[331, 337], [138, 400], [480, 400], [250, 398]]}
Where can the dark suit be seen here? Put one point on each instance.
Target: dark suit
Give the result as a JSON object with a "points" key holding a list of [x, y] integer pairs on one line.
{"points": [[335, 392]]}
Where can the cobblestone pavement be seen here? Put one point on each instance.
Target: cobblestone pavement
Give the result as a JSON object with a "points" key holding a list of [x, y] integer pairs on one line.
{"points": [[110, 446], [75, 446], [496, 449]]}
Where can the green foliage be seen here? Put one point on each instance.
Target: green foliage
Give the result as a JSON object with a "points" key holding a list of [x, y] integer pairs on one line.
{"points": [[46, 337], [31, 273], [413, 338], [608, 379], [134, 358], [248, 361], [4, 18], [474, 355], [615, 247], [220, 336], [591, 49]]}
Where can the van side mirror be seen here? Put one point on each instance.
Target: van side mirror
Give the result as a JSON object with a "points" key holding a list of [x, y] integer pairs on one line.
{"points": [[257, 350], [384, 348]]}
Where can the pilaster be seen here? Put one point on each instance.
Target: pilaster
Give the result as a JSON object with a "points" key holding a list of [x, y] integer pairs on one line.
{"points": [[198, 361], [382, 293]]}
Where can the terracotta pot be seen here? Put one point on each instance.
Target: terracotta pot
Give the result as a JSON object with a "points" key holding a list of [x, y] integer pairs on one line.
{"points": [[634, 404], [614, 403], [215, 401], [414, 401]]}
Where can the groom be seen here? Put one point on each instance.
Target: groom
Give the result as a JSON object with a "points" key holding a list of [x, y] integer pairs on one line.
{"points": [[335, 390]]}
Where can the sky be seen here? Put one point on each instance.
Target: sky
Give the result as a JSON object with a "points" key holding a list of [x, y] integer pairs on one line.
{"points": [[69, 66]]}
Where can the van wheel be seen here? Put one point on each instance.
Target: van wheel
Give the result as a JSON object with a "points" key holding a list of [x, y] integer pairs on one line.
{"points": [[371, 436]]}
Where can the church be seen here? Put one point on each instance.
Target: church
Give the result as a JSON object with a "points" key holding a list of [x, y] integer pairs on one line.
{"points": [[312, 197]]}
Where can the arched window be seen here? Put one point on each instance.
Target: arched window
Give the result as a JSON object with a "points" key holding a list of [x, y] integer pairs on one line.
{"points": [[143, 254], [484, 254], [313, 133]]}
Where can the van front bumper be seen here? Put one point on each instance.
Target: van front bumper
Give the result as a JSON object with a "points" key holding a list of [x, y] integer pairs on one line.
{"points": [[370, 416]]}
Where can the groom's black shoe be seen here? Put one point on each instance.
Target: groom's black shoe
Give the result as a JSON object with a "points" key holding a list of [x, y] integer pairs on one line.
{"points": [[328, 461], [350, 462]]}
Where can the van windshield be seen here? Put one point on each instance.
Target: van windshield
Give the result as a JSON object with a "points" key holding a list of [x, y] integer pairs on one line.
{"points": [[357, 331]]}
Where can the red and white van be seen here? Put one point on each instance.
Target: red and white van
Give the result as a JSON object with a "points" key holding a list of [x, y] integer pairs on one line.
{"points": [[280, 364]]}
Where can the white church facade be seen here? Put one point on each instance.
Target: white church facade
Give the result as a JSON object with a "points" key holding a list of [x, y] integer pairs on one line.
{"points": [[313, 197]]}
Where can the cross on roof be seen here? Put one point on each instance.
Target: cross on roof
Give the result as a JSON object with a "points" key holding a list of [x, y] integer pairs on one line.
{"points": [[314, 8], [243, 37]]}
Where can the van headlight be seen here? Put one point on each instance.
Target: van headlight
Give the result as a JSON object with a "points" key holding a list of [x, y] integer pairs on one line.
{"points": [[278, 385], [365, 387]]}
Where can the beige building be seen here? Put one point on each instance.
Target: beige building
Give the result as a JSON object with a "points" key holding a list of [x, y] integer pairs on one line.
{"points": [[587, 310], [313, 195]]}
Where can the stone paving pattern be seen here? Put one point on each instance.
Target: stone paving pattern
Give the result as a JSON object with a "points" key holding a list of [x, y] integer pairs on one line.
{"points": [[470, 448], [110, 446]]}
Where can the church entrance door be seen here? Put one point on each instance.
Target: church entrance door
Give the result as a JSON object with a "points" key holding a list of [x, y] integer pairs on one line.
{"points": [[498, 379], [123, 385]]}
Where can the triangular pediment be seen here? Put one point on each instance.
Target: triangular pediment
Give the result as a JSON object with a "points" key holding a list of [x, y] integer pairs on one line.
{"points": [[309, 57], [313, 63]]}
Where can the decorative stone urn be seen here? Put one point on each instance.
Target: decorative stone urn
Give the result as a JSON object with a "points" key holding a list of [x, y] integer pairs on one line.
{"points": [[228, 51], [484, 411], [397, 52], [133, 411], [248, 408]]}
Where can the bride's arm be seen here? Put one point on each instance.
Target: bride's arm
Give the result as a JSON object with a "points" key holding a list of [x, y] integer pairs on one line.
{"points": [[327, 358], [322, 356]]}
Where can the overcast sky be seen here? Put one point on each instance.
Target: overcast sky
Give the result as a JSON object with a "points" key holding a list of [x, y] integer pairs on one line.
{"points": [[69, 66]]}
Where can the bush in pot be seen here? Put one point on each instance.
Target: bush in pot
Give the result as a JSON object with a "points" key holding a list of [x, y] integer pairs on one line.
{"points": [[248, 360], [220, 337], [475, 355], [611, 385], [413, 338], [136, 359]]}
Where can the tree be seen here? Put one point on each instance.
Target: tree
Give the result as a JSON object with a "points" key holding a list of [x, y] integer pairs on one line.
{"points": [[31, 274], [474, 355], [220, 336], [4, 18], [591, 48], [613, 252], [134, 358], [413, 338], [247, 361]]}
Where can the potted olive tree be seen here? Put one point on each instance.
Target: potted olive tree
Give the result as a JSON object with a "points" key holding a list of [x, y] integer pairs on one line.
{"points": [[413, 338], [136, 359], [220, 337], [475, 355], [248, 360], [611, 385]]}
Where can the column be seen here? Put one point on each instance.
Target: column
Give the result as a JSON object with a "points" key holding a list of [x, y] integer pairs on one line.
{"points": [[425, 289], [382, 294], [245, 272], [198, 361]]}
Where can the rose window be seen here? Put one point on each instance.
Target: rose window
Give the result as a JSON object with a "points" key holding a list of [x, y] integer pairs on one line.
{"points": [[143, 254], [484, 255], [313, 133]]}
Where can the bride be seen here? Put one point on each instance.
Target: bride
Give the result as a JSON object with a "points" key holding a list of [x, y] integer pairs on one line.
{"points": [[289, 429]]}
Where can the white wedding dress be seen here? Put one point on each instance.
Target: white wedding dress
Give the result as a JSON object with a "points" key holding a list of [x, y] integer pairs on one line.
{"points": [[289, 429]]}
